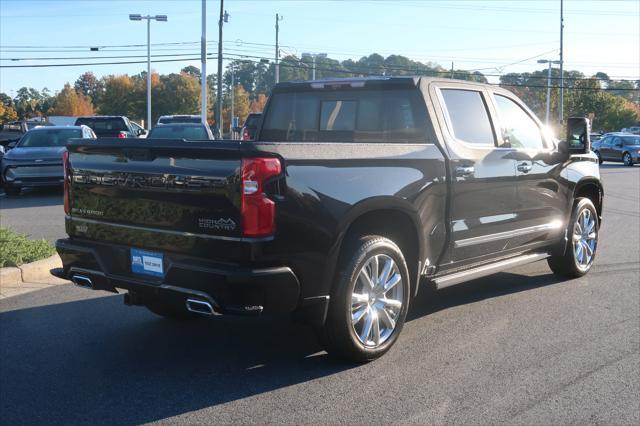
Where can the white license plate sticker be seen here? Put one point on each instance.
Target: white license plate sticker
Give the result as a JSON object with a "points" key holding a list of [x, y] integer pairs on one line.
{"points": [[147, 262]]}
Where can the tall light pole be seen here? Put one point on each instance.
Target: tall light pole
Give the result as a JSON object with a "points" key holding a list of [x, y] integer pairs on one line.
{"points": [[545, 61], [149, 18], [203, 70], [313, 57], [561, 62], [232, 100], [278, 19], [224, 17]]}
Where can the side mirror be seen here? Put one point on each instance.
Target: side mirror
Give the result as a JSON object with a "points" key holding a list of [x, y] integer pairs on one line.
{"points": [[12, 144], [141, 132], [578, 140]]}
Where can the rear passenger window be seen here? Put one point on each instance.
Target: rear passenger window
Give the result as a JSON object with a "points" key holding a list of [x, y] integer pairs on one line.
{"points": [[468, 116]]}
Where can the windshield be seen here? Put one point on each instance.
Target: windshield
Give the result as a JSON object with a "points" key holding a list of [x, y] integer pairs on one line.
{"points": [[48, 138], [631, 141], [179, 132], [101, 125], [179, 119], [34, 124]]}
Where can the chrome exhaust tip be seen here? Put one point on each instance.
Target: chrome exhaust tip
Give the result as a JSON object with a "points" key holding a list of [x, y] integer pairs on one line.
{"points": [[200, 307], [82, 281]]}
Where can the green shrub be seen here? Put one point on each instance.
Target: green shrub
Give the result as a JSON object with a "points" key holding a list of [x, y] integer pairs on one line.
{"points": [[16, 249]]}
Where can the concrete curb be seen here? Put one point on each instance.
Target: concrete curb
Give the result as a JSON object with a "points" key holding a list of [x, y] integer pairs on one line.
{"points": [[10, 276], [29, 272]]}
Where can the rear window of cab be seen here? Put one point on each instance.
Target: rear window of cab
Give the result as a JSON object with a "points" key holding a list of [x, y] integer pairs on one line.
{"points": [[347, 116]]}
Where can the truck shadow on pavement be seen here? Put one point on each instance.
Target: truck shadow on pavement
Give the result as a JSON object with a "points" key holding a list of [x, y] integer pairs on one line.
{"points": [[36, 197], [97, 361]]}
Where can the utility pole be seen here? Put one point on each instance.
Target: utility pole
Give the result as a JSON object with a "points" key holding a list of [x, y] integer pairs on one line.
{"points": [[232, 99], [545, 61], [223, 17], [148, 18], [278, 19], [451, 69], [561, 63], [203, 70]]}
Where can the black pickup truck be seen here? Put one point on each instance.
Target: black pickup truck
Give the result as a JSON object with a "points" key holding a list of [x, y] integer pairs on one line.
{"points": [[354, 194]]}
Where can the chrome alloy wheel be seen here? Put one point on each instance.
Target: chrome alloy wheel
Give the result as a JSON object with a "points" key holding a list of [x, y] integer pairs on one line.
{"points": [[585, 239], [376, 300]]}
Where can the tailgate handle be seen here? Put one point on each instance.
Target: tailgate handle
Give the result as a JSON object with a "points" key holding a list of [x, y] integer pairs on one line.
{"points": [[139, 154]]}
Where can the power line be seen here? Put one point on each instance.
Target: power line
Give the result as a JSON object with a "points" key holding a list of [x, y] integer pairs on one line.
{"points": [[359, 69]]}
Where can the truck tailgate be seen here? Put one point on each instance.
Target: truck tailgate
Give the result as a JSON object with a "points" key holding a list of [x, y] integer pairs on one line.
{"points": [[158, 193]]}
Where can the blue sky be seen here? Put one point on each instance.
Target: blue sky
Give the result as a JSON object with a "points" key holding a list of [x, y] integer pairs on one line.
{"points": [[493, 36]]}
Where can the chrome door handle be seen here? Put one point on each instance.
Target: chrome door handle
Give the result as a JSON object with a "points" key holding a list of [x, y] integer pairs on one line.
{"points": [[524, 167], [465, 171]]}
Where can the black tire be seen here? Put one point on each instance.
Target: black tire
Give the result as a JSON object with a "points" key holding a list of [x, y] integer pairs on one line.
{"points": [[338, 335], [599, 157], [568, 264], [169, 310], [11, 190], [627, 159]]}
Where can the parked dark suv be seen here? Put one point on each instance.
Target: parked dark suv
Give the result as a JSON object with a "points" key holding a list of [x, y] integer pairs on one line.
{"points": [[105, 126], [354, 194], [619, 147]]}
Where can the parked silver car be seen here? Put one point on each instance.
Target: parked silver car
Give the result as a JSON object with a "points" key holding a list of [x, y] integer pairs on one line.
{"points": [[36, 159]]}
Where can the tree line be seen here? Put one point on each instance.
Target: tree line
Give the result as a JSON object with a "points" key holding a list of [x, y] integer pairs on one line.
{"points": [[611, 104]]}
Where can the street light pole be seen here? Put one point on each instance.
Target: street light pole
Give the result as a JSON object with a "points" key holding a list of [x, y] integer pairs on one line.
{"points": [[148, 18], [546, 61], [203, 59], [148, 74], [223, 18], [232, 98], [278, 19], [561, 62], [313, 57]]}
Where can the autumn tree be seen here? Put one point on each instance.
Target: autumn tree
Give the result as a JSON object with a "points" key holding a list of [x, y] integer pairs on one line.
{"points": [[139, 94], [118, 97], [192, 71], [87, 84], [177, 94], [257, 105], [71, 103], [240, 106], [7, 110], [29, 102]]}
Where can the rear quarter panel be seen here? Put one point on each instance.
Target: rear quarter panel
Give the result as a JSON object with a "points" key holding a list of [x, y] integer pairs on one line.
{"points": [[330, 185]]}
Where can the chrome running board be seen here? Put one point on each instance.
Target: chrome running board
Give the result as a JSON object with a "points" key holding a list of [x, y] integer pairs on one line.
{"points": [[484, 270]]}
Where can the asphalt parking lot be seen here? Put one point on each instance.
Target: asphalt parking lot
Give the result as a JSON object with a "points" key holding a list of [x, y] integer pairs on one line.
{"points": [[519, 347]]}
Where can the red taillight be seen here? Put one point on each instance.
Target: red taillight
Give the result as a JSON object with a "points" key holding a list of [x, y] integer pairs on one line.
{"points": [[122, 135], [245, 134], [258, 211], [67, 182]]}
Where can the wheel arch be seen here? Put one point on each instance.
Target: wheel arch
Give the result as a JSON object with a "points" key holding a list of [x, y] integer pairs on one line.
{"points": [[389, 217], [592, 189]]}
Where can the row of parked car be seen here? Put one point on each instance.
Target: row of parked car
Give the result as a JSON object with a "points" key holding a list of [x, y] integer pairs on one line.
{"points": [[34, 149], [618, 147]]}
